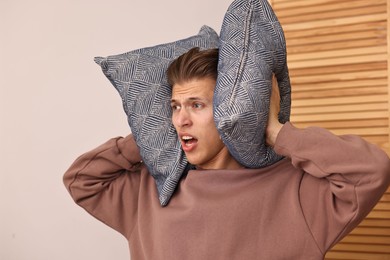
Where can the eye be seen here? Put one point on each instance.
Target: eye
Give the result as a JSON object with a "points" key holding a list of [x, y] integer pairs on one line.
{"points": [[175, 107], [197, 105]]}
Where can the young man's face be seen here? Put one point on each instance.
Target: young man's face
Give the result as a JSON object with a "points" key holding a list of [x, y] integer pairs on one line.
{"points": [[192, 104]]}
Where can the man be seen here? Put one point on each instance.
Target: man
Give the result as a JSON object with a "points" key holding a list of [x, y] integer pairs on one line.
{"points": [[297, 208]]}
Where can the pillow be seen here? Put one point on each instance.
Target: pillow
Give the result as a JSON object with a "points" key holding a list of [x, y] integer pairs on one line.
{"points": [[252, 47], [140, 78]]}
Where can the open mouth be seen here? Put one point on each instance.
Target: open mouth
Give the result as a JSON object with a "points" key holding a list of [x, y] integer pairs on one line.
{"points": [[188, 143], [189, 140]]}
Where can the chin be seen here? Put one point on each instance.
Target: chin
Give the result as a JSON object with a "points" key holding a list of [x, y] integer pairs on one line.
{"points": [[193, 161]]}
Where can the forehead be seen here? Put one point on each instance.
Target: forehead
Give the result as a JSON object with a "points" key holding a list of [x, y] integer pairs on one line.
{"points": [[197, 88]]}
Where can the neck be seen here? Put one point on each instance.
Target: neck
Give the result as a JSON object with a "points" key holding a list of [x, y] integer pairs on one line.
{"points": [[222, 161]]}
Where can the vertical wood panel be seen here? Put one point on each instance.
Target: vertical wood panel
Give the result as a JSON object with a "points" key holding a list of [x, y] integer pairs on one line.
{"points": [[388, 60], [338, 56]]}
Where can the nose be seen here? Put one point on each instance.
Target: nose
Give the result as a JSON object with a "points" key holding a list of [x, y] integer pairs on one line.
{"points": [[182, 118]]}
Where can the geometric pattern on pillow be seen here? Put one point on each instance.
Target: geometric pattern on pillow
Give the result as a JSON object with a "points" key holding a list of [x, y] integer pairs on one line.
{"points": [[252, 47], [140, 78]]}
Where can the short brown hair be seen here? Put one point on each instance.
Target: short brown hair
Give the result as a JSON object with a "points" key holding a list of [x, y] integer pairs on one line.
{"points": [[194, 64]]}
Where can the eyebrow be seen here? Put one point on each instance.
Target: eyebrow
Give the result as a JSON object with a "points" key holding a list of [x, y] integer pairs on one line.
{"points": [[190, 99]]}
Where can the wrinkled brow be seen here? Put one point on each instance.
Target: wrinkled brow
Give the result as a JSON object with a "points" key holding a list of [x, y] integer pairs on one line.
{"points": [[190, 99]]}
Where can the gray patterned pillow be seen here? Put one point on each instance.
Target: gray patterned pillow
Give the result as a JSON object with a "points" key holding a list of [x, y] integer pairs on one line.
{"points": [[252, 47], [140, 78]]}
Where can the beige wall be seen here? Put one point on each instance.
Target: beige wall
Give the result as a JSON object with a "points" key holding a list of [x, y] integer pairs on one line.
{"points": [[55, 104]]}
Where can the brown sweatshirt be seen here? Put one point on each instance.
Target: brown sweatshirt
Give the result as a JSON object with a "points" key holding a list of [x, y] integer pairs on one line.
{"points": [[297, 208]]}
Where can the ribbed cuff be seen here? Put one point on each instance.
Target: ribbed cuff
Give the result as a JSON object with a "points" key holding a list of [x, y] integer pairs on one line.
{"points": [[286, 138], [129, 149]]}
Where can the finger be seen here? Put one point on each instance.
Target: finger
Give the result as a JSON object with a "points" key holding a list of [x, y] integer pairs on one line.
{"points": [[275, 88]]}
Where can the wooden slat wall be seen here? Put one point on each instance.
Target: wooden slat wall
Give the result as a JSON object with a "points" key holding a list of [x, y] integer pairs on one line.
{"points": [[338, 59]]}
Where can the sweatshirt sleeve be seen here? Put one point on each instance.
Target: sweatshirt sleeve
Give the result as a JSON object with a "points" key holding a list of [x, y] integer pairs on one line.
{"points": [[105, 182], [344, 177]]}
